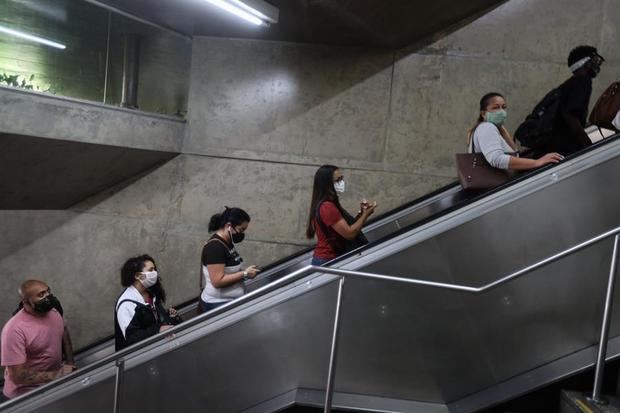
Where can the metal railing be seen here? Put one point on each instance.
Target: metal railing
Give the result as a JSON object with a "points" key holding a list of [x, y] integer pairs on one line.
{"points": [[118, 358], [606, 318], [190, 306]]}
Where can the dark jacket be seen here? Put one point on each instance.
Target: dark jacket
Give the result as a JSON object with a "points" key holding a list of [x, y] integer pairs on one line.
{"points": [[135, 320]]}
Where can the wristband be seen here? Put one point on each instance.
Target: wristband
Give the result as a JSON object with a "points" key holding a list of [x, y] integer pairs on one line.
{"points": [[245, 275]]}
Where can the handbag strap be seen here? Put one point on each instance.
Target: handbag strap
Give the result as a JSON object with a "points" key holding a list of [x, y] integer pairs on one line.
{"points": [[473, 146], [200, 277]]}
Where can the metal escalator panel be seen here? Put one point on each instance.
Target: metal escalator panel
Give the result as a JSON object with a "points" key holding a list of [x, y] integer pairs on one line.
{"points": [[441, 346], [385, 225], [266, 349], [399, 343], [227, 364], [419, 211]]}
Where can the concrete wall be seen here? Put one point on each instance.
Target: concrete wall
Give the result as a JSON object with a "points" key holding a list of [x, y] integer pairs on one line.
{"points": [[54, 117], [263, 116]]}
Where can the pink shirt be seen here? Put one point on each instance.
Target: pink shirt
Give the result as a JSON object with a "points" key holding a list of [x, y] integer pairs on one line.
{"points": [[36, 341]]}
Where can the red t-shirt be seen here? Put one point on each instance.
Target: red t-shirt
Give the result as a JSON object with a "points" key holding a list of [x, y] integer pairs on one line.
{"points": [[329, 215]]}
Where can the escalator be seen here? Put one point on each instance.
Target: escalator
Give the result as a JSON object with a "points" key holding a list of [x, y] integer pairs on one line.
{"points": [[446, 198], [400, 347], [416, 212]]}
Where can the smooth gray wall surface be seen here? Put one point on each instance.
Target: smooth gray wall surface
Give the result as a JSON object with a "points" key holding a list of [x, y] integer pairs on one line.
{"points": [[45, 116], [264, 115]]}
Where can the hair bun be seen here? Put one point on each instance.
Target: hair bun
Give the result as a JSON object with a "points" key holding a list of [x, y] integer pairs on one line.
{"points": [[214, 222]]}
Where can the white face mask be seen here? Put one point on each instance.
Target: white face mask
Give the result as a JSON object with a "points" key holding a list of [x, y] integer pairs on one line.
{"points": [[150, 279], [339, 186]]}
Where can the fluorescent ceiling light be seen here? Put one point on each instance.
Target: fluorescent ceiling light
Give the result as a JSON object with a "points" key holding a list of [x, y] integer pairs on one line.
{"points": [[31, 37], [245, 11], [249, 9]]}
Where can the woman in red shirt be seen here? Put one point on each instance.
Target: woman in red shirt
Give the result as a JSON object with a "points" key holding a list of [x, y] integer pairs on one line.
{"points": [[327, 219]]}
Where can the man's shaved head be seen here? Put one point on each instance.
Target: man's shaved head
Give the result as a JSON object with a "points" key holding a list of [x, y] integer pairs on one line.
{"points": [[32, 288]]}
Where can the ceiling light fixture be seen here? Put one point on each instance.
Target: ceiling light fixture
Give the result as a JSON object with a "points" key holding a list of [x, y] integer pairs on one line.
{"points": [[256, 12], [31, 37]]}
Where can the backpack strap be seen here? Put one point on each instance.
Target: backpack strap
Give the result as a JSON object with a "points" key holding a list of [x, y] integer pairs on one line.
{"points": [[128, 300]]}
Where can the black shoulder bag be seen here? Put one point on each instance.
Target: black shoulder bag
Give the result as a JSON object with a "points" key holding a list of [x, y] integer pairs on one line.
{"points": [[340, 244]]}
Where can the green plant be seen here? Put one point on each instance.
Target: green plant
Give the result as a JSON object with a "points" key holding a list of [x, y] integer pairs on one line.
{"points": [[13, 81]]}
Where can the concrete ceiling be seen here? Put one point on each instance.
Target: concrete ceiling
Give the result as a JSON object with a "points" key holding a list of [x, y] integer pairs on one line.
{"points": [[370, 23], [40, 173]]}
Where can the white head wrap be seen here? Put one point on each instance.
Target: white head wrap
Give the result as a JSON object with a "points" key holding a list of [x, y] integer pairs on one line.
{"points": [[579, 64]]}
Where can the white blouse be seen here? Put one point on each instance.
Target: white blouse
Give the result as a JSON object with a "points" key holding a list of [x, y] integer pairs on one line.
{"points": [[488, 141]]}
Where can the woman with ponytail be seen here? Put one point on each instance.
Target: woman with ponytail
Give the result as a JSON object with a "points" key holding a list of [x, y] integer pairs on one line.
{"points": [[222, 271]]}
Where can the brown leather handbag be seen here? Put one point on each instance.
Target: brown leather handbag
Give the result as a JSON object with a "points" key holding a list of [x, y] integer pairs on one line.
{"points": [[475, 172], [606, 108]]}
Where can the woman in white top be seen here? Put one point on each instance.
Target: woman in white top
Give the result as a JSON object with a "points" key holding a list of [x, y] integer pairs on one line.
{"points": [[492, 139]]}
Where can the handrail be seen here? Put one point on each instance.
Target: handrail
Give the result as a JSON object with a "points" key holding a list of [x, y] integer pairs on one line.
{"points": [[191, 304], [302, 272], [296, 275], [605, 323], [486, 287]]}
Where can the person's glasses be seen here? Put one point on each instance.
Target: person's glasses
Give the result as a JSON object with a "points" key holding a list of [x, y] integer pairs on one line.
{"points": [[339, 179]]}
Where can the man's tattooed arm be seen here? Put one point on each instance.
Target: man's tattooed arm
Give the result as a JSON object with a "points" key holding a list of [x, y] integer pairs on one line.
{"points": [[21, 374]]}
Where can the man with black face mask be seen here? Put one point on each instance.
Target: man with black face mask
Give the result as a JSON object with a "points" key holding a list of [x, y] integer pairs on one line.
{"points": [[33, 341], [568, 128]]}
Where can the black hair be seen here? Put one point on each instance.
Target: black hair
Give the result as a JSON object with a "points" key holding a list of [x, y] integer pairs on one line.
{"points": [[580, 52], [135, 265], [322, 190], [236, 216]]}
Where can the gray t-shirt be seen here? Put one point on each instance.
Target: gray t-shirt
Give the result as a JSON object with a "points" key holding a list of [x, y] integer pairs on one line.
{"points": [[488, 141]]}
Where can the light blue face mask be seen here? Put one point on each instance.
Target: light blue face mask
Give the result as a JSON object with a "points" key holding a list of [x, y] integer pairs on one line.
{"points": [[496, 117]]}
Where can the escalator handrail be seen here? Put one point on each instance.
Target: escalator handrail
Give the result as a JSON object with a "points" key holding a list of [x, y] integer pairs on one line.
{"points": [[470, 289], [191, 304], [302, 272], [522, 177]]}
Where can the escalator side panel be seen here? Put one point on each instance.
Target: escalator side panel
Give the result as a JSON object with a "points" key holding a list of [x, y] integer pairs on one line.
{"points": [[446, 345], [514, 235], [437, 346], [97, 398], [404, 342], [270, 352]]}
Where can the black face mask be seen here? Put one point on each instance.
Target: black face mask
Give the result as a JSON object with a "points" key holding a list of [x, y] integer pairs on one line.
{"points": [[46, 305], [237, 237]]}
